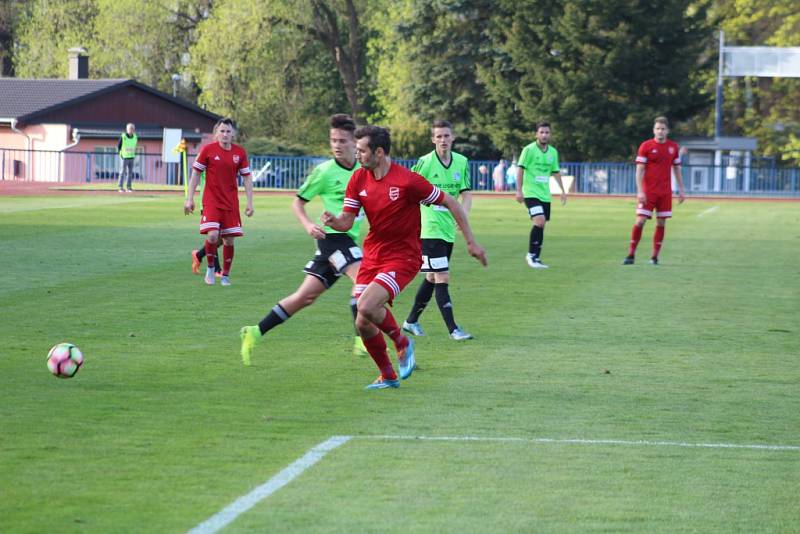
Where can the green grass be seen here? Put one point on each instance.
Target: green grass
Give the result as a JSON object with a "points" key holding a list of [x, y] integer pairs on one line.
{"points": [[163, 427]]}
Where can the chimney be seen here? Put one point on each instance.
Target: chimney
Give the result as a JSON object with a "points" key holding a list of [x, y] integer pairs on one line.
{"points": [[78, 64]]}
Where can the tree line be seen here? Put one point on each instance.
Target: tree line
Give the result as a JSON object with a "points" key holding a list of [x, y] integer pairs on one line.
{"points": [[598, 70]]}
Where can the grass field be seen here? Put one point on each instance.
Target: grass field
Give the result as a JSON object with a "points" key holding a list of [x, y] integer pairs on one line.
{"points": [[589, 387]]}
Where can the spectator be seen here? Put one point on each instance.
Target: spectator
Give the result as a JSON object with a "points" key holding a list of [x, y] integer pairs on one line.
{"points": [[499, 174], [511, 175], [126, 147]]}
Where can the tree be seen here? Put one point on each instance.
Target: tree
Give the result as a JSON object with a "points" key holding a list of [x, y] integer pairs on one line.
{"points": [[599, 71], [46, 31], [10, 12]]}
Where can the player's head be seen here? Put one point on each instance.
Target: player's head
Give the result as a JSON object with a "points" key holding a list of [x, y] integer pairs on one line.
{"points": [[543, 132], [224, 130], [342, 138], [442, 136], [372, 145], [130, 128], [660, 128]]}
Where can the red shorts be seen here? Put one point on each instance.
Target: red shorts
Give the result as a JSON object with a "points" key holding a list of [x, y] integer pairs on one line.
{"points": [[660, 203], [392, 275], [229, 223]]}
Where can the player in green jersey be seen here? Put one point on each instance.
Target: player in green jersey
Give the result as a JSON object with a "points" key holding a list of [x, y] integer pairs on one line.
{"points": [[449, 171], [337, 252], [538, 161]]}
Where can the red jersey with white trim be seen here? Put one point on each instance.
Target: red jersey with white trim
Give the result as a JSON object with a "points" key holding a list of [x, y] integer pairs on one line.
{"points": [[391, 205], [222, 167], [658, 159]]}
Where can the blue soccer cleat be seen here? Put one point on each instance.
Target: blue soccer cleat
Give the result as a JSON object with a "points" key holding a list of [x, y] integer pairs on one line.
{"points": [[384, 383], [407, 360]]}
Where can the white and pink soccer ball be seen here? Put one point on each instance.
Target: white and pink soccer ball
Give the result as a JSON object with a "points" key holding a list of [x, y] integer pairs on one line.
{"points": [[64, 360]]}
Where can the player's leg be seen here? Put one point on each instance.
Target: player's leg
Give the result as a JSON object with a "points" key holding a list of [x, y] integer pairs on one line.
{"points": [[230, 229], [663, 212], [351, 271], [197, 260], [421, 300], [644, 211], [538, 211], [304, 296], [210, 247], [371, 313], [445, 303]]}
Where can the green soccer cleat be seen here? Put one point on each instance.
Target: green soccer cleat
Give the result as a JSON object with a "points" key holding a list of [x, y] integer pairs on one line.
{"points": [[358, 347], [250, 335]]}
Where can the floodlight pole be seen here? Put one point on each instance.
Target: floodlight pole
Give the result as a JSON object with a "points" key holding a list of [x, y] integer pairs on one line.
{"points": [[718, 121]]}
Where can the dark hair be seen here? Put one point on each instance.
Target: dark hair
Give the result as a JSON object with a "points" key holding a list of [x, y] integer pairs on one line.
{"points": [[340, 121], [441, 123], [378, 137], [661, 119], [542, 124], [224, 120]]}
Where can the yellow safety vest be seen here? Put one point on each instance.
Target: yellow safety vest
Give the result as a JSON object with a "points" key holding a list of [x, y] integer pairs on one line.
{"points": [[128, 146]]}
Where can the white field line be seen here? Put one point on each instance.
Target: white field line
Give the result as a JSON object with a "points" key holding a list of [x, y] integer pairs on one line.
{"points": [[241, 505], [228, 514], [576, 441], [709, 211]]}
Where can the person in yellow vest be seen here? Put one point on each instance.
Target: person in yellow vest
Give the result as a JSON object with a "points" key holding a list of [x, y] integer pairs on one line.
{"points": [[127, 152]]}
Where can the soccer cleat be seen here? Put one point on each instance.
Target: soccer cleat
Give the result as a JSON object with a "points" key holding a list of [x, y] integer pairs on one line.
{"points": [[628, 260], [406, 358], [195, 262], [358, 347], [384, 383], [413, 328], [209, 277], [460, 335], [250, 335], [224, 280], [654, 260], [534, 262]]}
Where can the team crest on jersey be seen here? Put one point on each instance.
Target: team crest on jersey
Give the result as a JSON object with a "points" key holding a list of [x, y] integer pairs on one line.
{"points": [[394, 193], [236, 159], [456, 176], [671, 150]]}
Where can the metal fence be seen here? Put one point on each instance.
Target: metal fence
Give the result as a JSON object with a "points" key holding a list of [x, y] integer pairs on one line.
{"points": [[289, 172]]}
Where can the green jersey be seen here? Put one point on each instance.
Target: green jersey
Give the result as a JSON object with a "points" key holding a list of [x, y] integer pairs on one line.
{"points": [[538, 167], [328, 181], [437, 221]]}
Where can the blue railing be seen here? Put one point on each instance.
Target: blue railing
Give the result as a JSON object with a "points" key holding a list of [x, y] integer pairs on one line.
{"points": [[289, 172]]}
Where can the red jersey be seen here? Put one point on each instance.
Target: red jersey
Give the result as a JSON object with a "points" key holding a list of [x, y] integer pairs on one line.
{"points": [[658, 159], [222, 167], [391, 205]]}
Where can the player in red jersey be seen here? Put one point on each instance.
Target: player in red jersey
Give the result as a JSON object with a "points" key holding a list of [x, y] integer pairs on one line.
{"points": [[222, 161], [390, 195], [655, 162]]}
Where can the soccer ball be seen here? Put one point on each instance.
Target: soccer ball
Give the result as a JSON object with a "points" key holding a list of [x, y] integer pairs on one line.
{"points": [[64, 360]]}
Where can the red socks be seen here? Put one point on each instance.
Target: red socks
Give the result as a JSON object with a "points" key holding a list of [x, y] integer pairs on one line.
{"points": [[636, 235], [658, 237], [227, 259], [389, 326], [376, 347], [211, 254]]}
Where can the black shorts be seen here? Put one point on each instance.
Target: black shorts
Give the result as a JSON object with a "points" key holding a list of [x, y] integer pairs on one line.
{"points": [[536, 208], [334, 254], [436, 255]]}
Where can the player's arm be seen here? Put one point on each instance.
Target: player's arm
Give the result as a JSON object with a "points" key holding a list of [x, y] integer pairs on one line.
{"points": [[520, 176], [466, 201], [560, 182], [640, 196], [474, 249], [341, 223], [188, 206], [248, 191], [679, 181], [299, 210]]}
